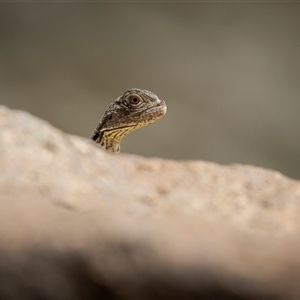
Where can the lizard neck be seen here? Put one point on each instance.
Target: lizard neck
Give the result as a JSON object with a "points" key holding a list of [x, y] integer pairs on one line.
{"points": [[110, 141]]}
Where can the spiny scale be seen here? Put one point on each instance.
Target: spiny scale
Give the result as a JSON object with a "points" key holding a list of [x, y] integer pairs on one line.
{"points": [[134, 109]]}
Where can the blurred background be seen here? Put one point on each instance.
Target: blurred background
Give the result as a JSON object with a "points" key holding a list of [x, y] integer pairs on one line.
{"points": [[229, 72]]}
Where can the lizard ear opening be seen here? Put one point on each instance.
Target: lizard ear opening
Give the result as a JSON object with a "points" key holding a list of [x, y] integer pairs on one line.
{"points": [[113, 117]]}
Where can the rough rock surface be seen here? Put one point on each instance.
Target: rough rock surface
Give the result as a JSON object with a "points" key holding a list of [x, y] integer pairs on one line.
{"points": [[79, 223]]}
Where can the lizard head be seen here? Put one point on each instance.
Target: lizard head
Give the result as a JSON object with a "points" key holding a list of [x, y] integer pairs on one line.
{"points": [[134, 109]]}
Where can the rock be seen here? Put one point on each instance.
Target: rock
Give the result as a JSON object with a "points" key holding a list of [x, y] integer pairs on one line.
{"points": [[79, 223]]}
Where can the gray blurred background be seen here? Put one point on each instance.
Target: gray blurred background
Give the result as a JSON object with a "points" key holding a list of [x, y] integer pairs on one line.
{"points": [[229, 72]]}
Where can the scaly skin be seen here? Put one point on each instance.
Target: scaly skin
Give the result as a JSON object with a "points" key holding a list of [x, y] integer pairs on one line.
{"points": [[134, 109]]}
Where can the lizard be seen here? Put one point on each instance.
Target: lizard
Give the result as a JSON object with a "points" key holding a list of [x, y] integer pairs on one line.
{"points": [[136, 108]]}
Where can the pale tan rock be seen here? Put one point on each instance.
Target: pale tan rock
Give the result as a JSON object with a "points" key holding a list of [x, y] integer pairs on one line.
{"points": [[79, 223]]}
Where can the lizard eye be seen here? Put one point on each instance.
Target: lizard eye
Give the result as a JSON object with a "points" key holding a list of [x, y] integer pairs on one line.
{"points": [[134, 99]]}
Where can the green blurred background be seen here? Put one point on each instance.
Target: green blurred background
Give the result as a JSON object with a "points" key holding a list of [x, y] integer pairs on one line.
{"points": [[229, 72]]}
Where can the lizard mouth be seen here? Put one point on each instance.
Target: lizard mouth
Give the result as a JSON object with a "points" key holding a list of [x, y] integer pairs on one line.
{"points": [[150, 114], [140, 118], [158, 110]]}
